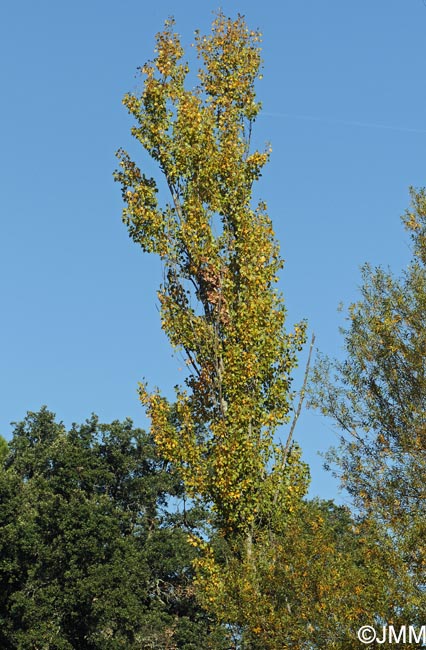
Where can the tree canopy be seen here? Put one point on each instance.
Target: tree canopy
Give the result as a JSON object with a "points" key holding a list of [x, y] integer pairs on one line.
{"points": [[377, 397], [91, 555], [279, 571], [200, 533], [219, 304]]}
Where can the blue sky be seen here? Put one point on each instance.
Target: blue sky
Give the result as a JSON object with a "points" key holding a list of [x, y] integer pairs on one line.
{"points": [[344, 107]]}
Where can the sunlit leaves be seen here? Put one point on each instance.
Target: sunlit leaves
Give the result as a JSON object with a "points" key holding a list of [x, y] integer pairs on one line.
{"points": [[311, 586], [377, 397], [218, 301], [279, 571]]}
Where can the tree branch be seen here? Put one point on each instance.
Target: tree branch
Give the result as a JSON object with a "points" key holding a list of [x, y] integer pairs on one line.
{"points": [[297, 413]]}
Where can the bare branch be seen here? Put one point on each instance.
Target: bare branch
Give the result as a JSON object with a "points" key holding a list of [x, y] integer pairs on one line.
{"points": [[298, 411]]}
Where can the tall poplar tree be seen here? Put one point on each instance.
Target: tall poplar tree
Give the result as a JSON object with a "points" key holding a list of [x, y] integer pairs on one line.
{"points": [[221, 308], [219, 303]]}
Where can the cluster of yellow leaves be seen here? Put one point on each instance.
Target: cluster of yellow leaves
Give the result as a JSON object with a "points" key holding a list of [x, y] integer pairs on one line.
{"points": [[318, 576], [218, 303]]}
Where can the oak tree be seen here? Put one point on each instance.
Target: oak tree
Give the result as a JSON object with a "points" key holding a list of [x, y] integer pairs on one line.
{"points": [[91, 555]]}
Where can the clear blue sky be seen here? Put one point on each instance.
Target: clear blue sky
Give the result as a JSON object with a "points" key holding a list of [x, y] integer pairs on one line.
{"points": [[344, 107]]}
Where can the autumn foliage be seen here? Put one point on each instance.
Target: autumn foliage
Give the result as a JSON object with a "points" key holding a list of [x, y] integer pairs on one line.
{"points": [[219, 302], [277, 570]]}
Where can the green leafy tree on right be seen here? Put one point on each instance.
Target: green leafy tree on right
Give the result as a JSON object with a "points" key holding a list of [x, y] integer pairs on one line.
{"points": [[377, 398]]}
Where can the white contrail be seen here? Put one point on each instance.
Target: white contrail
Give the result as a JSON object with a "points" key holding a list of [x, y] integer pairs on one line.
{"points": [[368, 125]]}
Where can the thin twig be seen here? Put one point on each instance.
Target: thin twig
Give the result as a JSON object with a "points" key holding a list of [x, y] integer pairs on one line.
{"points": [[301, 400], [297, 413]]}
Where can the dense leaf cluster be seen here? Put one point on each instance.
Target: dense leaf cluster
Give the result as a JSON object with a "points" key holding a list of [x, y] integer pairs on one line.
{"points": [[219, 303], [91, 557]]}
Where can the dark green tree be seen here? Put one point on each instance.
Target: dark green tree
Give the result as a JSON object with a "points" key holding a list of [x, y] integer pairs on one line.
{"points": [[4, 449], [91, 557]]}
